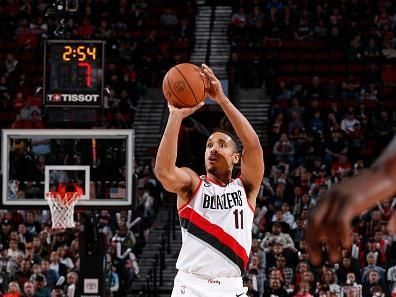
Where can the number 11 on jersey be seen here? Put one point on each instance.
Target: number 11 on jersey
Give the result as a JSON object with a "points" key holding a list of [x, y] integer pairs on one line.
{"points": [[238, 221]]}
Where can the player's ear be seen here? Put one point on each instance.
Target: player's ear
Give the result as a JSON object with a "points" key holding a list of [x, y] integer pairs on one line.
{"points": [[236, 158]]}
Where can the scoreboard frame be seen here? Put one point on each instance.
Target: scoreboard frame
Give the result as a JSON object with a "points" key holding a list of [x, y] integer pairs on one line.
{"points": [[73, 73]]}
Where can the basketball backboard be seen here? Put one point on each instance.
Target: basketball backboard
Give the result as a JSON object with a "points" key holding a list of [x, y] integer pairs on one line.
{"points": [[99, 162]]}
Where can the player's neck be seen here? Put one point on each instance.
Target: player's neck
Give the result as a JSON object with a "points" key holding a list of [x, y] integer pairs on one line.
{"points": [[220, 179]]}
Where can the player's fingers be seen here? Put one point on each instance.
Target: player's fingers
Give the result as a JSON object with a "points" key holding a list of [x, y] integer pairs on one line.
{"points": [[313, 236], [321, 209], [315, 253], [315, 222], [204, 66], [209, 72], [204, 75], [337, 222], [171, 107], [211, 77], [198, 106], [392, 224], [332, 239], [345, 229]]}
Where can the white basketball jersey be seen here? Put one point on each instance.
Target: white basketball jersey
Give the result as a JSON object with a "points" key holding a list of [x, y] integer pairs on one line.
{"points": [[216, 224]]}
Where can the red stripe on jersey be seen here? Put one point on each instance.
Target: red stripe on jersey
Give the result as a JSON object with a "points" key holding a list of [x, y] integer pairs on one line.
{"points": [[216, 231], [192, 195], [248, 202]]}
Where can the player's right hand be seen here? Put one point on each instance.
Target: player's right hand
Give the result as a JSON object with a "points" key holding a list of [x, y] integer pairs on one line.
{"points": [[330, 222], [185, 111]]}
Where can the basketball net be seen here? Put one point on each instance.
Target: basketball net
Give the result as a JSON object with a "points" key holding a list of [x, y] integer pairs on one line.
{"points": [[62, 208]]}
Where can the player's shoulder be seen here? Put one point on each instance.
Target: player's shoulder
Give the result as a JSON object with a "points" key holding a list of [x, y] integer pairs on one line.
{"points": [[195, 178], [190, 172]]}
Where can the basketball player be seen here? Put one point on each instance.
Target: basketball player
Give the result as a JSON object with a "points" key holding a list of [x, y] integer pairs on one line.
{"points": [[330, 221], [216, 211]]}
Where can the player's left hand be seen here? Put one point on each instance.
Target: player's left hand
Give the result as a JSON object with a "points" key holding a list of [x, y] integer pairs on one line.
{"points": [[214, 88], [184, 112]]}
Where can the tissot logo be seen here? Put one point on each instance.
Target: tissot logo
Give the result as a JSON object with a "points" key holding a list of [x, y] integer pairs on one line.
{"points": [[56, 97], [72, 98]]}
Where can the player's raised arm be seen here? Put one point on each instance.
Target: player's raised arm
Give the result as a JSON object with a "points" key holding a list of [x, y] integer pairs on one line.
{"points": [[174, 179], [252, 162]]}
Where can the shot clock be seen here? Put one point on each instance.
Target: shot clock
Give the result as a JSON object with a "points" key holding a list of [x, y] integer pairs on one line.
{"points": [[73, 73]]}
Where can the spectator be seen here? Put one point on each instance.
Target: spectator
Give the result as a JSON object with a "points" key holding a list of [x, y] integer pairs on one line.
{"points": [[33, 226], [372, 50], [255, 16], [283, 149], [57, 291], [304, 289], [67, 261], [294, 108], [329, 279], [22, 275], [278, 217], [276, 237], [369, 93], [388, 51], [350, 89], [85, 29], [131, 271], [372, 266], [348, 265], [169, 18], [301, 268], [28, 289], [304, 27], [316, 124], [124, 241], [13, 290], [296, 121], [298, 230], [275, 288], [391, 278], [342, 167], [335, 147], [11, 65], [71, 280], [287, 216], [112, 279], [13, 250], [40, 287], [383, 128], [371, 284], [286, 271], [306, 203], [332, 89], [40, 146], [251, 286], [321, 30], [335, 18], [355, 51], [349, 121], [283, 92], [55, 265]]}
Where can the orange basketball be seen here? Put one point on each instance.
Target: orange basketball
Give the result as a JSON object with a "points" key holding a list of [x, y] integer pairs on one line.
{"points": [[184, 86]]}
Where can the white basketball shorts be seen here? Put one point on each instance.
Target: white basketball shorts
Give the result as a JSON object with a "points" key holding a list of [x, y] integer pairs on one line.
{"points": [[191, 285]]}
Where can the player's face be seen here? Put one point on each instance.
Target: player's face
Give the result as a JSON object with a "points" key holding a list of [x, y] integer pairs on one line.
{"points": [[220, 153]]}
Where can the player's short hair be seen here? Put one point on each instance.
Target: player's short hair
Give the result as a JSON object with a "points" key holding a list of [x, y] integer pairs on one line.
{"points": [[233, 137]]}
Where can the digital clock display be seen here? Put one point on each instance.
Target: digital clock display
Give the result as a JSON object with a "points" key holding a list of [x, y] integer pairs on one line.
{"points": [[73, 71]]}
